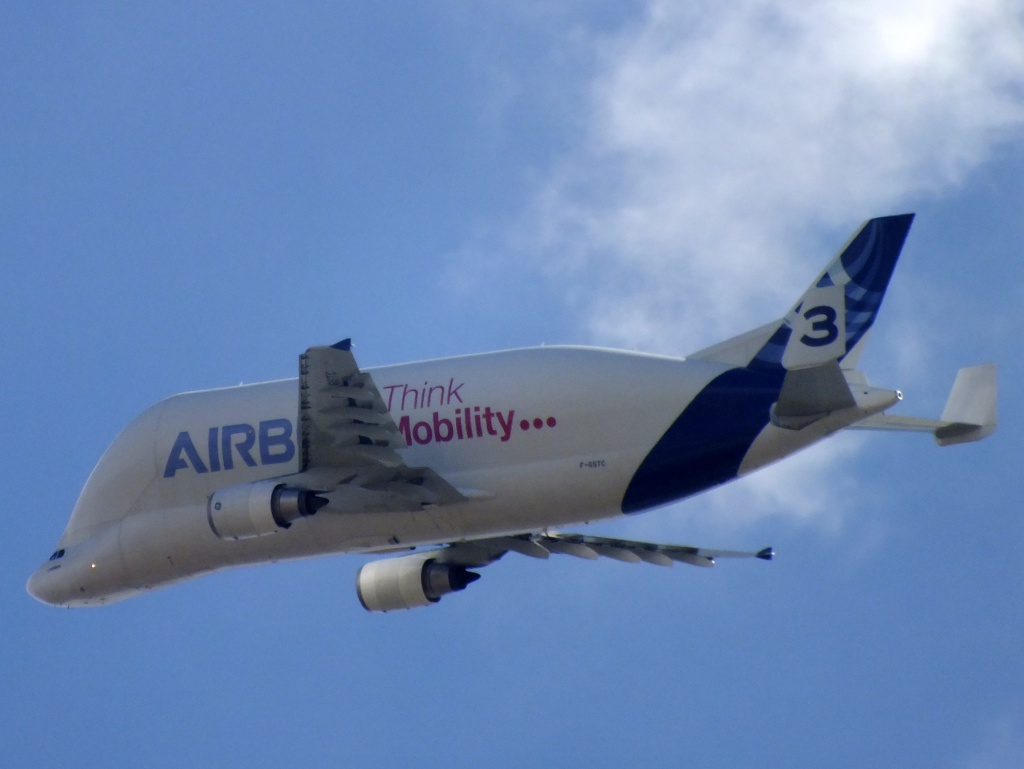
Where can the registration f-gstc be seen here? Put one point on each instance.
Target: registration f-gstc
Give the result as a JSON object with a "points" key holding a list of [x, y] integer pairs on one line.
{"points": [[444, 466]]}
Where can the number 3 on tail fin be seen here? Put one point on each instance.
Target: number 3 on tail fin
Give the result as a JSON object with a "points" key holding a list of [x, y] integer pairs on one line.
{"points": [[818, 324]]}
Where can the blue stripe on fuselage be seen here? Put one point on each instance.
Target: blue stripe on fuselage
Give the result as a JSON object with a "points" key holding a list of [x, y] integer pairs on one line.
{"points": [[706, 444]]}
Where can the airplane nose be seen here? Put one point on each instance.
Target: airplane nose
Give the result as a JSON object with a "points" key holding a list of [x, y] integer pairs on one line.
{"points": [[88, 573], [43, 587]]}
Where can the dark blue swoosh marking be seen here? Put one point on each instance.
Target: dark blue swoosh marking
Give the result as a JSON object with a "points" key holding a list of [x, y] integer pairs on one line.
{"points": [[706, 444]]}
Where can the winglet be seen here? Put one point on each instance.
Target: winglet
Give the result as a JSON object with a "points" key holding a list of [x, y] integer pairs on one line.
{"points": [[970, 412]]}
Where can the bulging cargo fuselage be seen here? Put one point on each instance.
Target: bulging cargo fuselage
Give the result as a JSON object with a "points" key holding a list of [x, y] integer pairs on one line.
{"points": [[540, 437]]}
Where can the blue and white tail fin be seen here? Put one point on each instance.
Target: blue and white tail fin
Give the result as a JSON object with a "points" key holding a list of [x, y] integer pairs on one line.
{"points": [[834, 314], [830, 320]]}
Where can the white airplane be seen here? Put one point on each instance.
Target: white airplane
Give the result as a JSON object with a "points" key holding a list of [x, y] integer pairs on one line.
{"points": [[458, 461]]}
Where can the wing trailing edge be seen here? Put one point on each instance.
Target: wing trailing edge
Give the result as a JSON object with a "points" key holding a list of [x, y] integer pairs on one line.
{"points": [[350, 443]]}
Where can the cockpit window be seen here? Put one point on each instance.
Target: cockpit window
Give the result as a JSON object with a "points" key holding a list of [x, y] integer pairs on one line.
{"points": [[58, 555]]}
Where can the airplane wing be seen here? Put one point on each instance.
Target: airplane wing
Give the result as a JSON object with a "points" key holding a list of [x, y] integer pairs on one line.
{"points": [[349, 440], [477, 553], [423, 577]]}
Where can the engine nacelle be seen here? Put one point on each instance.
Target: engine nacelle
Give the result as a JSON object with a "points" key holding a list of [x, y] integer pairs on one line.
{"points": [[408, 582], [256, 509]]}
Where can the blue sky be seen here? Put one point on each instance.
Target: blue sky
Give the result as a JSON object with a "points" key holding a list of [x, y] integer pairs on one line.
{"points": [[191, 196]]}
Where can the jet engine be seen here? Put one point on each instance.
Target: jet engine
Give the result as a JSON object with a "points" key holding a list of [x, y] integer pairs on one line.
{"points": [[409, 581], [256, 509]]}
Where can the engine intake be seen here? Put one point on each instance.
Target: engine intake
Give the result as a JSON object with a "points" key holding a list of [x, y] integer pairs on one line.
{"points": [[409, 581], [260, 508]]}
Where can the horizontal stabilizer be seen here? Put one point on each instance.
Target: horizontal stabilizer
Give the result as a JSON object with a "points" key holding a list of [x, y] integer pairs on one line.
{"points": [[970, 413]]}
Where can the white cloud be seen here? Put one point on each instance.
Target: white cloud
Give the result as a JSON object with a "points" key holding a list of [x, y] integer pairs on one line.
{"points": [[723, 139], [728, 148]]}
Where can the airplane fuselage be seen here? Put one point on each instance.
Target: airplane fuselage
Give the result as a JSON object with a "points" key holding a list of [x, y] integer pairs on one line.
{"points": [[539, 438]]}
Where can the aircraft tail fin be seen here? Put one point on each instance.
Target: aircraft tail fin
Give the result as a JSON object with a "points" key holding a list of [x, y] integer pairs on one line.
{"points": [[836, 311], [830, 320]]}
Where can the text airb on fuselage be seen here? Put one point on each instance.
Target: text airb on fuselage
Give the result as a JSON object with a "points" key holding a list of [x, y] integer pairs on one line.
{"points": [[228, 446]]}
